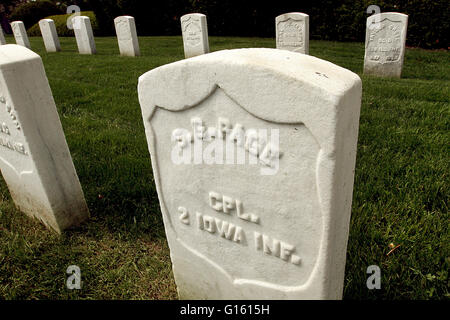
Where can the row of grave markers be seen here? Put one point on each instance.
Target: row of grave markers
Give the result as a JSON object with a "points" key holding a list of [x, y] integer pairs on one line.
{"points": [[233, 232], [384, 53], [384, 47], [125, 29]]}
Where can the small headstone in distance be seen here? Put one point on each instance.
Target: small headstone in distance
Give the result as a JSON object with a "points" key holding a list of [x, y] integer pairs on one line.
{"points": [[292, 32], [49, 35], [84, 35], [385, 44], [195, 34], [20, 34], [127, 36]]}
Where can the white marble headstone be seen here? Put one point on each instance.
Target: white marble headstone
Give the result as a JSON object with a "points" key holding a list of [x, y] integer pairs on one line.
{"points": [[49, 34], [385, 44], [195, 34], [84, 35], [127, 36], [20, 34], [34, 157], [2, 36], [253, 153], [292, 32]]}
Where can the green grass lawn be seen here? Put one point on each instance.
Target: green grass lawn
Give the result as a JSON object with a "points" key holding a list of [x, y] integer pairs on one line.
{"points": [[400, 195]]}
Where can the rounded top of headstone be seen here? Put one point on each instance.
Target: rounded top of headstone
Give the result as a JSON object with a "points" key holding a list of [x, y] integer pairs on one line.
{"points": [[189, 15], [391, 15], [258, 75], [395, 13], [291, 15], [123, 18], [82, 17], [45, 21], [291, 64], [12, 53]]}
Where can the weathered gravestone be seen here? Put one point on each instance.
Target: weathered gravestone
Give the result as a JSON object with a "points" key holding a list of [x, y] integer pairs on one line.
{"points": [[49, 34], [385, 44], [127, 36], [292, 32], [2, 37], [84, 35], [253, 153], [20, 33], [195, 34], [34, 157]]}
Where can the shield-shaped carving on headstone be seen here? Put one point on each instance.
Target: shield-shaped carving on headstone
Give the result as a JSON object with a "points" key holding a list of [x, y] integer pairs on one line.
{"points": [[253, 152]]}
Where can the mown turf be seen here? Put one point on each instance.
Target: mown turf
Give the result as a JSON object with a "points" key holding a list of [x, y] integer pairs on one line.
{"points": [[400, 194]]}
